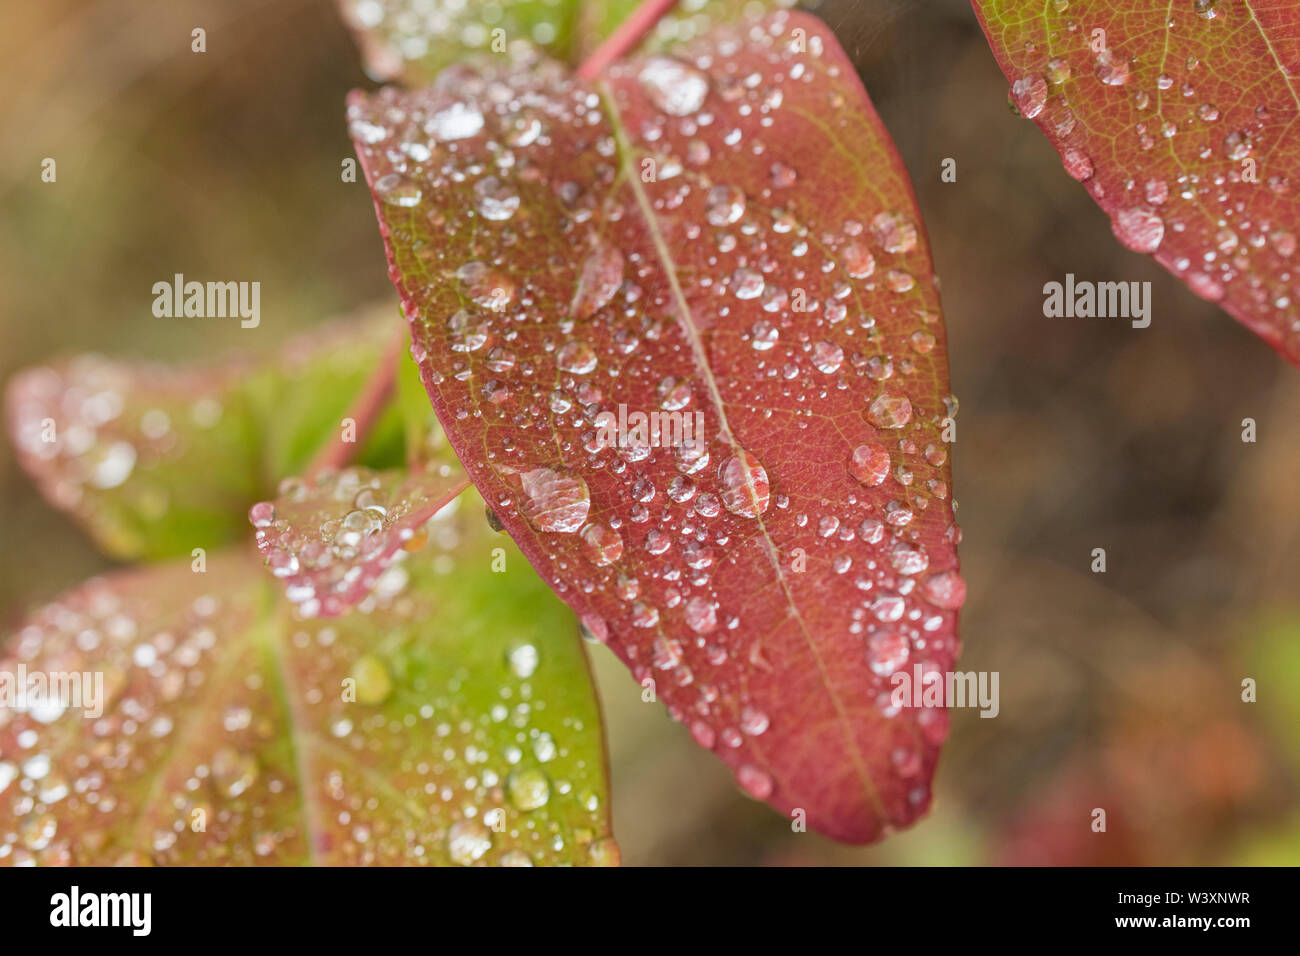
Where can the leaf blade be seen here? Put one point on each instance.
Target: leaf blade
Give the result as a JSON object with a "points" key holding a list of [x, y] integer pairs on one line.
{"points": [[524, 345], [1180, 126]]}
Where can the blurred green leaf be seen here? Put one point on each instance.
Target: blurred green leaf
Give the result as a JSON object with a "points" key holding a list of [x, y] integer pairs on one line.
{"points": [[1273, 660], [155, 461]]}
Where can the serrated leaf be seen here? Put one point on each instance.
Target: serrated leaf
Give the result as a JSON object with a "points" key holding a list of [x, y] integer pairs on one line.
{"points": [[451, 721], [1180, 123], [412, 41], [648, 246], [156, 461], [330, 538]]}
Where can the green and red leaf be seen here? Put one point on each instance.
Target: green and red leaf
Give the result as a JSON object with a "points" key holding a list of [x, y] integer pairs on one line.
{"points": [[453, 722], [330, 538], [728, 232], [1180, 121]]}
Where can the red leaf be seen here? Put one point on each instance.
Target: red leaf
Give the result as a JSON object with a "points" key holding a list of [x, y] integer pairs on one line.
{"points": [[330, 539], [1180, 122], [732, 234]]}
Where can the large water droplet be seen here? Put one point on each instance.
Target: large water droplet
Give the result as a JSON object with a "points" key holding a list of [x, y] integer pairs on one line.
{"points": [[458, 121], [1030, 95], [1140, 228], [887, 651], [745, 489], [870, 464], [674, 86], [890, 411], [554, 501], [599, 279], [396, 190]]}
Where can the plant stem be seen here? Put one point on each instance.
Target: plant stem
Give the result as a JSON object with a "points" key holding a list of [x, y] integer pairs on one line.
{"points": [[366, 407], [627, 36]]}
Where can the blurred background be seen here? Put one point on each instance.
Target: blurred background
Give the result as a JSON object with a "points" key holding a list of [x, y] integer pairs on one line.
{"points": [[1118, 690]]}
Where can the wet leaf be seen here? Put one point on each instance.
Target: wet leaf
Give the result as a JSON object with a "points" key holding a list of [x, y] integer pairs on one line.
{"points": [[450, 720], [1179, 122], [728, 236], [330, 539], [411, 41], [156, 461]]}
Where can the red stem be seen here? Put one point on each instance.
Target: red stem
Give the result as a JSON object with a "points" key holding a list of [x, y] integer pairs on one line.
{"points": [[365, 408], [625, 38]]}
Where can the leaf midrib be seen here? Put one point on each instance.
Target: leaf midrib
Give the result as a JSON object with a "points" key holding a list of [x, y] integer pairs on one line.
{"points": [[685, 319]]}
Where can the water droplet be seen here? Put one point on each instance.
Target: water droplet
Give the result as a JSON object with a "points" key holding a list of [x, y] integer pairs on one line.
{"points": [[745, 489], [111, 464], [555, 501], [262, 514], [827, 357], [747, 284], [373, 685], [1077, 164], [945, 589], [528, 789], [233, 772], [468, 841], [701, 616], [858, 260], [894, 232], [753, 721], [1139, 228], [1111, 71], [458, 121], [755, 782], [764, 335], [576, 357], [887, 651], [869, 464], [726, 204], [673, 86], [1030, 95], [496, 200], [890, 411], [598, 281], [396, 190], [523, 659]]}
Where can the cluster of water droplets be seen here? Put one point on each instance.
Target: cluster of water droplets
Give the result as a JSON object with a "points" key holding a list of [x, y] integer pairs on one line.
{"points": [[78, 776], [1218, 198], [545, 327], [331, 540], [189, 760]]}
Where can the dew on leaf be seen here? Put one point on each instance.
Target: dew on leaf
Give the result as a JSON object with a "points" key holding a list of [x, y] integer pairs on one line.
{"points": [[744, 485], [554, 501]]}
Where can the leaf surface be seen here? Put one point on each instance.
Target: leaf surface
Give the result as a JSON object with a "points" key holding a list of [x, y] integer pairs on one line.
{"points": [[1180, 121], [727, 234], [470, 733], [155, 461], [330, 539]]}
